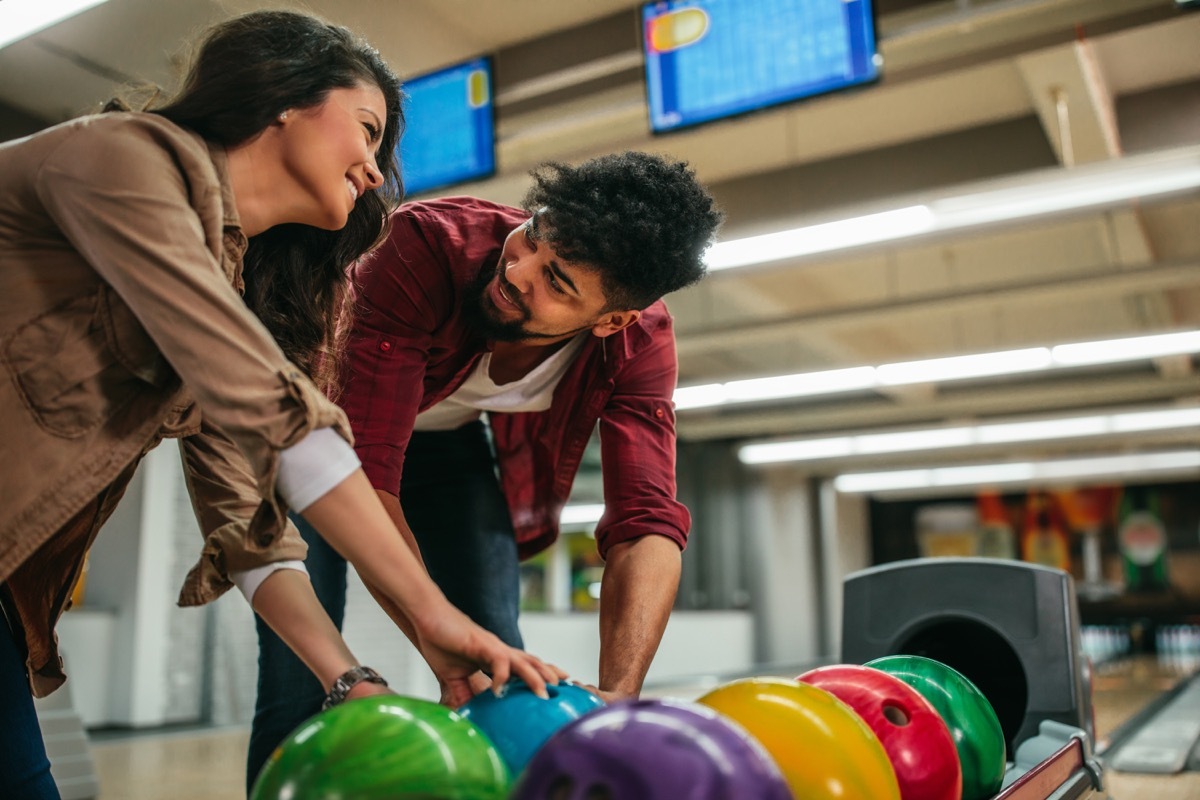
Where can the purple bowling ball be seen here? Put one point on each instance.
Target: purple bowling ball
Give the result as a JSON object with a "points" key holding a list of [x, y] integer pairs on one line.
{"points": [[652, 750]]}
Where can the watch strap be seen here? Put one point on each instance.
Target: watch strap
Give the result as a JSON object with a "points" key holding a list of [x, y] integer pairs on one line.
{"points": [[347, 681]]}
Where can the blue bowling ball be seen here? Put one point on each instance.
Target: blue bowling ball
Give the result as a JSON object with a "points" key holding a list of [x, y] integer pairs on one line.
{"points": [[518, 722]]}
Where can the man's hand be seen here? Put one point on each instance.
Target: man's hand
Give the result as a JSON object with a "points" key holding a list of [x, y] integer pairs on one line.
{"points": [[608, 697], [455, 693]]}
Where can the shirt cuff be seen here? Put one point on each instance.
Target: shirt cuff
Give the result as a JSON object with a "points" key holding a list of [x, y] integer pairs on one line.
{"points": [[312, 466], [248, 581]]}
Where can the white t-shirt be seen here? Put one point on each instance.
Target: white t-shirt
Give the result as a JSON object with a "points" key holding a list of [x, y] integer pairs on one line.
{"points": [[480, 393]]}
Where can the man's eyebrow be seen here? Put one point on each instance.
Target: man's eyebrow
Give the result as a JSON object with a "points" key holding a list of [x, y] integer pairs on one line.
{"points": [[563, 277]]}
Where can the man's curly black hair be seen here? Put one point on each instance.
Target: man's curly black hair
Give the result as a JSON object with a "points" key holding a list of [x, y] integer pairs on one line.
{"points": [[643, 221]]}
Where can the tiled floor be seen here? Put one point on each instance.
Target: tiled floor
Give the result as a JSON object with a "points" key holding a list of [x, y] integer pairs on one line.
{"points": [[194, 765]]}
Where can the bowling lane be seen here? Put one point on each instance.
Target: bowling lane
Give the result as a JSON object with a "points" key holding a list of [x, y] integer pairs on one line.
{"points": [[1121, 689]]}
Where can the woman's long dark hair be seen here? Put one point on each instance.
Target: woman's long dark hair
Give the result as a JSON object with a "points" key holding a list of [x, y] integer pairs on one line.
{"points": [[245, 72]]}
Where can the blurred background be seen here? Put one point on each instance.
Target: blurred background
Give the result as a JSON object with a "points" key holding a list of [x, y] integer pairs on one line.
{"points": [[954, 309]]}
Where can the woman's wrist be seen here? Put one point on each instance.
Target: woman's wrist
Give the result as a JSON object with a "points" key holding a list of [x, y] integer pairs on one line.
{"points": [[341, 687]]}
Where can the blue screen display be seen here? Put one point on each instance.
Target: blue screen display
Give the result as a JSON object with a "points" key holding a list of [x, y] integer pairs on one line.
{"points": [[709, 59], [448, 135]]}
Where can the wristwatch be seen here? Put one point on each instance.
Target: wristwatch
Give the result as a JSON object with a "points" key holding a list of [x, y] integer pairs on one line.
{"points": [[347, 681]]}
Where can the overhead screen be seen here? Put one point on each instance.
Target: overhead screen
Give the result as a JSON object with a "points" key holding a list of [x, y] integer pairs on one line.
{"points": [[710, 59], [448, 135]]}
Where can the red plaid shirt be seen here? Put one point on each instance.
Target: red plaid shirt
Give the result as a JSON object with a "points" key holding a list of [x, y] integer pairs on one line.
{"points": [[410, 348]]}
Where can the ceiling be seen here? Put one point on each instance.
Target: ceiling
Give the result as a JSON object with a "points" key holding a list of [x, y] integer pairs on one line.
{"points": [[973, 92]]}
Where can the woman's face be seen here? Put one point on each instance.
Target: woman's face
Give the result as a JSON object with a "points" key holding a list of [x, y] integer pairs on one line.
{"points": [[329, 154]]}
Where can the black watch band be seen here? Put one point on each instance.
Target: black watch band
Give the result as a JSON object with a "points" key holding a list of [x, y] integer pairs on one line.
{"points": [[347, 681]]}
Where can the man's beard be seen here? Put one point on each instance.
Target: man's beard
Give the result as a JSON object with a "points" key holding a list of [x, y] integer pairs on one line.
{"points": [[479, 311]]}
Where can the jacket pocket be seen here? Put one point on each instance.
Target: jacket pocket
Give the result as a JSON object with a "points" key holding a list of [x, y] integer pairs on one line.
{"points": [[80, 363]]}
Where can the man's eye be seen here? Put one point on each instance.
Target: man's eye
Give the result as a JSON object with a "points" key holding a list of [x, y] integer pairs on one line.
{"points": [[554, 284]]}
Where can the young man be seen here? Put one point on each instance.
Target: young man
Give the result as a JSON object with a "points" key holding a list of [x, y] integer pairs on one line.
{"points": [[550, 321]]}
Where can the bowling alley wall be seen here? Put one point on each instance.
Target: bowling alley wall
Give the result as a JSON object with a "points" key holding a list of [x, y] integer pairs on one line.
{"points": [[1134, 550]]}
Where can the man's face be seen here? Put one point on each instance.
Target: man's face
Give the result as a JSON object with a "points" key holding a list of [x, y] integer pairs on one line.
{"points": [[533, 295]]}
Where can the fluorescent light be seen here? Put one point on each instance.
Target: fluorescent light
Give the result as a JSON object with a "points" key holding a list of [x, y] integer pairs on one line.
{"points": [[1156, 420], [904, 441], [821, 238], [1116, 350], [773, 452], [21, 18], [1018, 472], [709, 394], [1034, 194], [882, 481], [1008, 362], [1043, 429], [1024, 430], [581, 514], [958, 367]]}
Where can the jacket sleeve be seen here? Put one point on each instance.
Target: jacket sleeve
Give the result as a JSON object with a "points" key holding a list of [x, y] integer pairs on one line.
{"points": [[225, 501], [637, 449], [126, 195]]}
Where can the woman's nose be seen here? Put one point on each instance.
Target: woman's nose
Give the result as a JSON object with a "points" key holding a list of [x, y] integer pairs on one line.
{"points": [[373, 176]]}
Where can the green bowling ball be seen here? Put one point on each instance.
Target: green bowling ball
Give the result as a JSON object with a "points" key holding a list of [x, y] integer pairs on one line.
{"points": [[967, 713], [384, 747]]}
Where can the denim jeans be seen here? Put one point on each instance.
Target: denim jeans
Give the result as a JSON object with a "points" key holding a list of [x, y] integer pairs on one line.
{"points": [[452, 500], [24, 768]]}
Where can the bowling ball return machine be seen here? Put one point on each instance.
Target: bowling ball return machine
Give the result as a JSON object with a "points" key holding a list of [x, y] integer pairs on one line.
{"points": [[1013, 629]]}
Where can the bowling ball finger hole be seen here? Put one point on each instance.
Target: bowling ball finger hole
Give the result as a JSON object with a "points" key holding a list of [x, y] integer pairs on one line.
{"points": [[895, 715]]}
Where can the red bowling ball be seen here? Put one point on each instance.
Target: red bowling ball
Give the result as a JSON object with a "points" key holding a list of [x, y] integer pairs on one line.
{"points": [[914, 735]]}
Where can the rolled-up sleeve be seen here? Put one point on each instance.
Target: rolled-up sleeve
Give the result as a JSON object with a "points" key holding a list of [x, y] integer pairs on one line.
{"points": [[637, 450], [226, 503]]}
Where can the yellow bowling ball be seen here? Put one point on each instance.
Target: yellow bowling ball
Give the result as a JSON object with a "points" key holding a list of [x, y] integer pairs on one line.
{"points": [[824, 749]]}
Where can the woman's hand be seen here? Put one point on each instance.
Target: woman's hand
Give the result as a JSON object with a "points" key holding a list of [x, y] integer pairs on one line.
{"points": [[457, 649]]}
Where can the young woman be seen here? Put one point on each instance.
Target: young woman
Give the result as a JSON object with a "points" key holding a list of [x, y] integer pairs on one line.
{"points": [[127, 242]]}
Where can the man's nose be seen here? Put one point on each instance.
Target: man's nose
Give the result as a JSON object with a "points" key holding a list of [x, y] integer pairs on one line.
{"points": [[519, 273]]}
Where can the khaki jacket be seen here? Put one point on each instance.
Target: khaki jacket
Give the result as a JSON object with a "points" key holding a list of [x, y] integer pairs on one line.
{"points": [[121, 323]]}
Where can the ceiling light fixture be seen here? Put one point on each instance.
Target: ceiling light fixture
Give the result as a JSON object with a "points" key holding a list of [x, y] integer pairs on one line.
{"points": [[934, 370], [21, 18], [1105, 467], [1033, 194], [1025, 430], [581, 514]]}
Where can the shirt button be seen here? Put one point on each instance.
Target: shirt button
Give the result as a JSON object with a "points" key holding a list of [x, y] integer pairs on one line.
{"points": [[385, 346], [658, 412]]}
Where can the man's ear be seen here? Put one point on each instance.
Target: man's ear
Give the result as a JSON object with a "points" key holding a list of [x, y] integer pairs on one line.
{"points": [[612, 321]]}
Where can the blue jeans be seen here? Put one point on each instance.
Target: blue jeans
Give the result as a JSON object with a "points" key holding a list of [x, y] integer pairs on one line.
{"points": [[24, 768], [452, 500]]}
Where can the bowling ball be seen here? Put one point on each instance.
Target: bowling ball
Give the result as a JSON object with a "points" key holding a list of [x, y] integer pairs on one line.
{"points": [[518, 722], [384, 747], [917, 741], [967, 713], [823, 749], [652, 750]]}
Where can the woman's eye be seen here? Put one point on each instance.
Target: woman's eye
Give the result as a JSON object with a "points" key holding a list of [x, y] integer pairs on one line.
{"points": [[372, 131]]}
